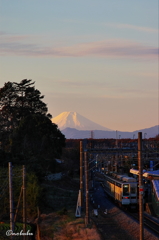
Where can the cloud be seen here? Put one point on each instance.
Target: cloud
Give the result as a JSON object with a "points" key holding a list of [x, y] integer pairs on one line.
{"points": [[81, 83], [110, 48], [112, 97], [132, 27], [127, 93], [114, 48]]}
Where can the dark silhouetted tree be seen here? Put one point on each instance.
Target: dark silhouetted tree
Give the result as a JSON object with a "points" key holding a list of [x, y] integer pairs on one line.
{"points": [[26, 130]]}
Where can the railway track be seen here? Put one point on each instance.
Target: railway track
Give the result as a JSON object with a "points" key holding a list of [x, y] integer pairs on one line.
{"points": [[118, 223], [109, 229], [148, 222], [152, 224]]}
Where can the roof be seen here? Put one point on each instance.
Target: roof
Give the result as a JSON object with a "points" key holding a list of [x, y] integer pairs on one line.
{"points": [[145, 173]]}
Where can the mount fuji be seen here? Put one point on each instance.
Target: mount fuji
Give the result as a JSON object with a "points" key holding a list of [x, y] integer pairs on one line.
{"points": [[75, 126], [77, 121]]}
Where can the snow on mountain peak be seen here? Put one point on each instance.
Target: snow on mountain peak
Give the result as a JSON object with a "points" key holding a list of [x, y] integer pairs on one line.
{"points": [[75, 120]]}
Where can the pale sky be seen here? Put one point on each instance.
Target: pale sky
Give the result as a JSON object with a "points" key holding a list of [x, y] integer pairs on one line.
{"points": [[96, 57]]}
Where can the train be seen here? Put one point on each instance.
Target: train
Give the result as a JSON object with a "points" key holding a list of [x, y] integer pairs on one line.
{"points": [[122, 189]]}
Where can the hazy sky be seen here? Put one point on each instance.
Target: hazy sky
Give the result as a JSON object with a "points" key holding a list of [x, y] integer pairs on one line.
{"points": [[96, 57]]}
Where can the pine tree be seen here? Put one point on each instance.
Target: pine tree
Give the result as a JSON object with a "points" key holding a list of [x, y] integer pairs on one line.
{"points": [[26, 130]]}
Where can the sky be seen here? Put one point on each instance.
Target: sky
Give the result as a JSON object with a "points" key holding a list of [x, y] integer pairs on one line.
{"points": [[98, 58]]}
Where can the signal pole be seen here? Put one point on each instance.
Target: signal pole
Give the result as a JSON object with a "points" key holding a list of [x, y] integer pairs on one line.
{"points": [[140, 166]]}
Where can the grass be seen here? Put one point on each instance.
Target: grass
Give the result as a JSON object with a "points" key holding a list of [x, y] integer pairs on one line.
{"points": [[58, 221], [59, 195], [18, 227], [66, 227]]}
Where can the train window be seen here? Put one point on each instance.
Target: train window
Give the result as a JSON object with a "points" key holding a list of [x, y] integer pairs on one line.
{"points": [[118, 184], [133, 190], [125, 189]]}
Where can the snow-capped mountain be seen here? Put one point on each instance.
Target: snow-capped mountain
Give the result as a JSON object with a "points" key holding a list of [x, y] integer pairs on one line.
{"points": [[77, 121], [75, 126]]}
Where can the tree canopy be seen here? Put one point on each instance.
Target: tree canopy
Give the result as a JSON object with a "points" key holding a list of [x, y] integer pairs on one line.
{"points": [[18, 100], [26, 130]]}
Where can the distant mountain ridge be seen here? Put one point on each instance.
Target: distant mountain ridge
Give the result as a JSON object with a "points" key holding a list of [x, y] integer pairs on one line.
{"points": [[77, 121], [75, 126], [72, 133]]}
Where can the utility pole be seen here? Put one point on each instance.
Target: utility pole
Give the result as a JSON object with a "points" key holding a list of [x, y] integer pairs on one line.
{"points": [[116, 155], [24, 202], [80, 194], [87, 188], [140, 166], [81, 170], [11, 197], [116, 139], [16, 212]]}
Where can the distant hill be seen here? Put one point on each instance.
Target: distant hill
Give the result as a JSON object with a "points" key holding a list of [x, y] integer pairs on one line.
{"points": [[72, 133], [77, 121]]}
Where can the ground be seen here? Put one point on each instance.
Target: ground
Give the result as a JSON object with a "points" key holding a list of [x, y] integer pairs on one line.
{"points": [[55, 226], [57, 220]]}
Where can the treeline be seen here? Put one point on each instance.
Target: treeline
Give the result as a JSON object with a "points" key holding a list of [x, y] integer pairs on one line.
{"points": [[27, 134], [27, 137]]}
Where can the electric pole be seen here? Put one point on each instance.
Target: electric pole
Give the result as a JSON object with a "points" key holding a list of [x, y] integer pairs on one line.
{"points": [[24, 202], [81, 170], [11, 197], [140, 167], [87, 188]]}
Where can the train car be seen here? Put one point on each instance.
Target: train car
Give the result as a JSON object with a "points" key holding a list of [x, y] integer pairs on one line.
{"points": [[155, 196], [122, 189]]}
